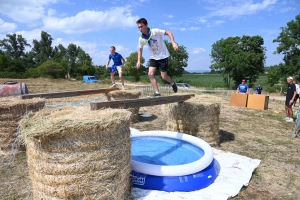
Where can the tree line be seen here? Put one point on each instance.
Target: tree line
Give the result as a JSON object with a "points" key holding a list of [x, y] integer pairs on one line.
{"points": [[238, 58], [17, 60]]}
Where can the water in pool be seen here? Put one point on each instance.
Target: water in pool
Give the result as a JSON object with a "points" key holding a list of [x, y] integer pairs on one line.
{"points": [[164, 151]]}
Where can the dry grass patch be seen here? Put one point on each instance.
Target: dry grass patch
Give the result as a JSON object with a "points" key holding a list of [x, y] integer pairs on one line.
{"points": [[253, 133]]}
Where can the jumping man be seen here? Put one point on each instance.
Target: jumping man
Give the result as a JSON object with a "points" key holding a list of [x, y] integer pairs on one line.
{"points": [[117, 66], [158, 52]]}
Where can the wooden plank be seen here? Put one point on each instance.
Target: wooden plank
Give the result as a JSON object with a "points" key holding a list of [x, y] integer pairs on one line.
{"points": [[68, 93], [134, 103]]}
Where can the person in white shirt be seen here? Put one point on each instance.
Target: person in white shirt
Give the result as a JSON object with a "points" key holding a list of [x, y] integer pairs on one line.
{"points": [[158, 52], [297, 92]]}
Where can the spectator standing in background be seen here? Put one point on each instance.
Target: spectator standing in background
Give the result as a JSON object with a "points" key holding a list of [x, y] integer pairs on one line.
{"points": [[290, 96], [297, 92], [259, 89], [243, 87]]}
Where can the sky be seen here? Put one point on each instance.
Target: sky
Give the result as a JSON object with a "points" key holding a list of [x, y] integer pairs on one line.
{"points": [[95, 25]]}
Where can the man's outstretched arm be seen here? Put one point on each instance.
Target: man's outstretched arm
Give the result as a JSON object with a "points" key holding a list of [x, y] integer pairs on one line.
{"points": [[174, 44]]}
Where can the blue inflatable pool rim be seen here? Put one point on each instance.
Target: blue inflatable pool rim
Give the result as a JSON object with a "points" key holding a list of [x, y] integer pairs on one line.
{"points": [[158, 150], [186, 183]]}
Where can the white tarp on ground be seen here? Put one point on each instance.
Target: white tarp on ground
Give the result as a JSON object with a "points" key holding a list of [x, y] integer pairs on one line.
{"points": [[235, 172]]}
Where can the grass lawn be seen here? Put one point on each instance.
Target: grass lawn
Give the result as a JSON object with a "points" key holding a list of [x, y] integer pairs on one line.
{"points": [[208, 81], [253, 133]]}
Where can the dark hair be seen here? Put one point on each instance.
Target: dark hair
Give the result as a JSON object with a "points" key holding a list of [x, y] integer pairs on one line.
{"points": [[142, 21], [113, 47]]}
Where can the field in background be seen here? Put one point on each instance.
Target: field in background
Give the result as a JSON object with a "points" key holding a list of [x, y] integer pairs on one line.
{"points": [[257, 134], [209, 81]]}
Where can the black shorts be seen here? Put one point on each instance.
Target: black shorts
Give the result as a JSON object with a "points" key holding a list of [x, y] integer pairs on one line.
{"points": [[287, 102], [161, 64], [296, 97]]}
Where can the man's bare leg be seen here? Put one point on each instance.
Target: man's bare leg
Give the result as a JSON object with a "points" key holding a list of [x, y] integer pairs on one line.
{"points": [[166, 77], [112, 77], [286, 111], [290, 111], [153, 81], [121, 78]]}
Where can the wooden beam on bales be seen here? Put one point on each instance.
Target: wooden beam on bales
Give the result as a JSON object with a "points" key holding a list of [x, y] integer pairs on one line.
{"points": [[68, 93], [134, 103]]}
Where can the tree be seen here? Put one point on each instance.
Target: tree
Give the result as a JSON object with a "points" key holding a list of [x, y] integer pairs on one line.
{"points": [[130, 64], [14, 46], [42, 49], [238, 58], [289, 46], [72, 53], [51, 69], [101, 72], [177, 61], [4, 62], [84, 62], [274, 74], [59, 52]]}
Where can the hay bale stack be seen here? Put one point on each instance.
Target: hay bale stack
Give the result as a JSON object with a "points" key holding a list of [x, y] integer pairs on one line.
{"points": [[76, 153], [199, 116], [127, 94], [11, 111]]}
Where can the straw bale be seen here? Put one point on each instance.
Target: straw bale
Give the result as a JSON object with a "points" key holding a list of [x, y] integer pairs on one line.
{"points": [[76, 153], [16, 107], [127, 94], [5, 117], [198, 116], [12, 109]]}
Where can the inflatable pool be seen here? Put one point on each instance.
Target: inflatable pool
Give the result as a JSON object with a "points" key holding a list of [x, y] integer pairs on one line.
{"points": [[171, 161]]}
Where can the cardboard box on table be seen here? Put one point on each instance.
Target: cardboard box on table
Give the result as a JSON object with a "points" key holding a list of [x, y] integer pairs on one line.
{"points": [[238, 99], [258, 101]]}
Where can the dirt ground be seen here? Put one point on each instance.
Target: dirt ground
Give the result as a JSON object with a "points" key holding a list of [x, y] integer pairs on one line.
{"points": [[258, 134]]}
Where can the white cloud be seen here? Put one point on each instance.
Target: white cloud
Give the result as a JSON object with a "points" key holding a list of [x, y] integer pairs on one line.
{"points": [[178, 28], [166, 23], [24, 11], [168, 16], [87, 21], [219, 22], [202, 20], [51, 12], [98, 51], [193, 28], [6, 26], [238, 8], [286, 9], [30, 35], [197, 50]]}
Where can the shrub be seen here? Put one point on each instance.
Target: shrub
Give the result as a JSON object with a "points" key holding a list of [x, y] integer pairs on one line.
{"points": [[52, 69]]}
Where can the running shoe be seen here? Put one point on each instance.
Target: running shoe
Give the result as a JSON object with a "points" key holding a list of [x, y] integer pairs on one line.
{"points": [[155, 95], [113, 85], [174, 86]]}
